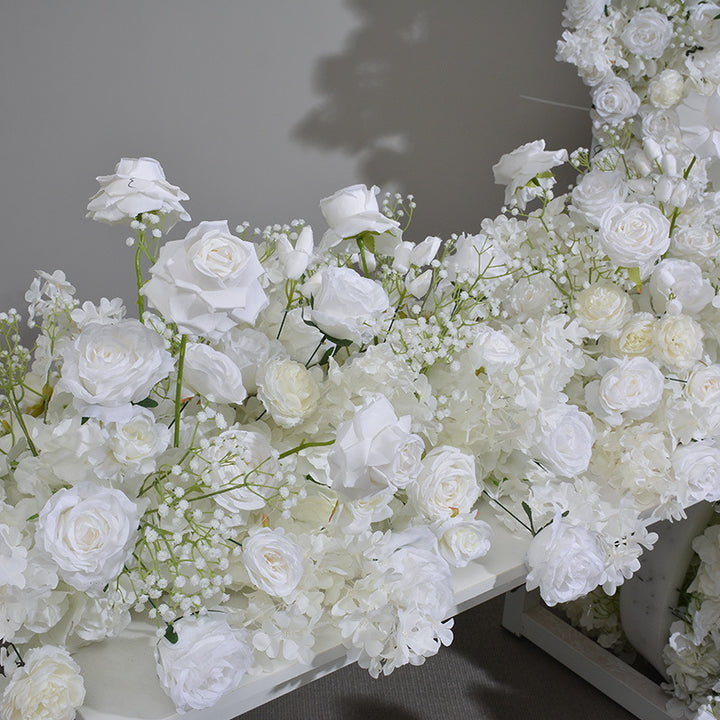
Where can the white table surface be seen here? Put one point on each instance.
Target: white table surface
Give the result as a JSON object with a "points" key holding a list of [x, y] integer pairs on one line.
{"points": [[120, 677]]}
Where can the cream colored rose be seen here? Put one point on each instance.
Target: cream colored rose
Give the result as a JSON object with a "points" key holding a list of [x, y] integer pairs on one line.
{"points": [[678, 341], [603, 308], [48, 687], [703, 385], [636, 336], [288, 390]]}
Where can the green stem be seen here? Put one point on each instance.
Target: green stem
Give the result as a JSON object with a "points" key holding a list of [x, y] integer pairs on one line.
{"points": [[138, 274], [304, 445], [509, 512], [361, 246], [178, 390]]}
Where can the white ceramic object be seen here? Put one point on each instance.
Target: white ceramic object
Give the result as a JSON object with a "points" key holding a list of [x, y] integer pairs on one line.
{"points": [[648, 599]]}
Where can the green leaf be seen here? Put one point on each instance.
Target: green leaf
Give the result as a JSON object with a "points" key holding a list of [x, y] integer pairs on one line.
{"points": [[147, 403], [170, 635], [634, 275], [528, 512], [84, 420]]}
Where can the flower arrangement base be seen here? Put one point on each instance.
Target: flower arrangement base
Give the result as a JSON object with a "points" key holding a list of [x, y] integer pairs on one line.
{"points": [[526, 616]]}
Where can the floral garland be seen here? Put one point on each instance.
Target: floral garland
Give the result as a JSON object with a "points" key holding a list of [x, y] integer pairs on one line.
{"points": [[297, 435]]}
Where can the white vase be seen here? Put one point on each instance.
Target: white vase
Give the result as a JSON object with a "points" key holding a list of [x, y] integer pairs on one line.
{"points": [[648, 599]]}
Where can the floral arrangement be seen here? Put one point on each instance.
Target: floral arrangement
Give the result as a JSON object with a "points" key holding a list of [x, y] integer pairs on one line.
{"points": [[297, 435]]}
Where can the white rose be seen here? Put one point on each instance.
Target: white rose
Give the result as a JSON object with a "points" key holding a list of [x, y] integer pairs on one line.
{"points": [[517, 168], [212, 374], [603, 308], [273, 561], [208, 660], [634, 235], [348, 306], [681, 281], [288, 390], [566, 440], [615, 101], [352, 211], [89, 531], [697, 466], [108, 367], [494, 351], [370, 449], [678, 341], [249, 349], [632, 387], [660, 126], [138, 186], [666, 89], [703, 21], [463, 539], [242, 469], [48, 687], [636, 336], [596, 192], [699, 121], [135, 443], [565, 561], [695, 242], [208, 282], [446, 485], [647, 34]]}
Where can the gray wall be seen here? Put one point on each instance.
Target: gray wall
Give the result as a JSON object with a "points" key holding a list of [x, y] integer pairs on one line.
{"points": [[258, 108]]}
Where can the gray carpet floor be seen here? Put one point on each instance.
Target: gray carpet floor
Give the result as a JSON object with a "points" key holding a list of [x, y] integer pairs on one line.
{"points": [[487, 673]]}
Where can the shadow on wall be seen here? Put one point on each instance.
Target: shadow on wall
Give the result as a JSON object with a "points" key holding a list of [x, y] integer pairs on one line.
{"points": [[427, 96]]}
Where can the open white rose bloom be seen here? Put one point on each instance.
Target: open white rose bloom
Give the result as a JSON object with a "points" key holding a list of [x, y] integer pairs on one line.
{"points": [[291, 438]]}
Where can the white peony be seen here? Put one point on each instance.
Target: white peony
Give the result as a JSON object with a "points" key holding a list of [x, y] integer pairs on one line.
{"points": [[634, 235], [89, 531], [208, 660], [108, 367], [212, 374], [603, 308], [636, 336], [630, 388], [138, 186], [48, 687], [447, 484], [288, 390], [517, 168], [208, 282], [647, 34], [346, 305], [615, 101], [373, 450], [565, 561], [566, 437], [273, 561]]}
